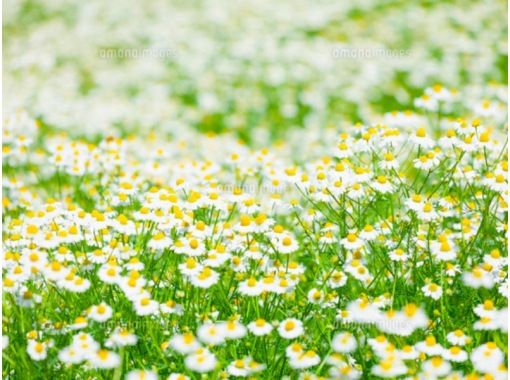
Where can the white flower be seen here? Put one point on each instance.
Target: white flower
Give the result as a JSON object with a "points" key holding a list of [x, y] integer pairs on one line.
{"points": [[430, 346], [436, 367], [121, 337], [140, 374], [389, 368], [344, 342], [100, 313], [433, 291], [104, 359], [458, 338], [487, 357], [211, 334], [37, 350], [260, 327], [455, 354], [290, 328], [145, 306], [184, 343], [71, 355], [201, 361], [305, 360], [233, 330]]}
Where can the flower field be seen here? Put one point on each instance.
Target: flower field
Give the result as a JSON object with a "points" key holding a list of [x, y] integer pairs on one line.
{"points": [[221, 190]]}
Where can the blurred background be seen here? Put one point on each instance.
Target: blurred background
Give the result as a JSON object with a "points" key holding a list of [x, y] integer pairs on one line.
{"points": [[258, 69]]}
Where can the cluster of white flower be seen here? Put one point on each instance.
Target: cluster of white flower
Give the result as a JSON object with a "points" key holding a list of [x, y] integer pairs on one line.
{"points": [[202, 207]]}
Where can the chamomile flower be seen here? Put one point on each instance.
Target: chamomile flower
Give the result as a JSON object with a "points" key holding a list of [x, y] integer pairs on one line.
{"points": [[458, 338], [290, 328], [260, 327], [389, 368], [100, 313], [436, 367], [140, 374], [184, 343], [244, 367], [433, 291], [250, 287], [352, 242], [477, 278], [487, 357], [305, 360], [430, 346], [455, 354], [201, 360], [104, 359], [71, 355], [144, 305], [211, 334], [344, 342], [37, 350]]}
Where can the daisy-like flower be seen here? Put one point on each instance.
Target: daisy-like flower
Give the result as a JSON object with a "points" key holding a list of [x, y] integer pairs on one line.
{"points": [[362, 311], [430, 346], [455, 354], [305, 360], [382, 185], [398, 255], [421, 139], [415, 203], [368, 233], [389, 368], [486, 323], [290, 328], [109, 273], [244, 367], [100, 313], [337, 279], [211, 334], [427, 161], [171, 307], [85, 345], [144, 305], [443, 250], [184, 343], [352, 242], [79, 323], [478, 277], [159, 241], [414, 318], [71, 355], [315, 296], [427, 213], [250, 287], [178, 376], [285, 244], [344, 342], [436, 367], [104, 359], [458, 338], [233, 329], [201, 360], [433, 291], [140, 374], [389, 162], [486, 309], [408, 353], [121, 337], [260, 327], [205, 279], [487, 357], [37, 350]]}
